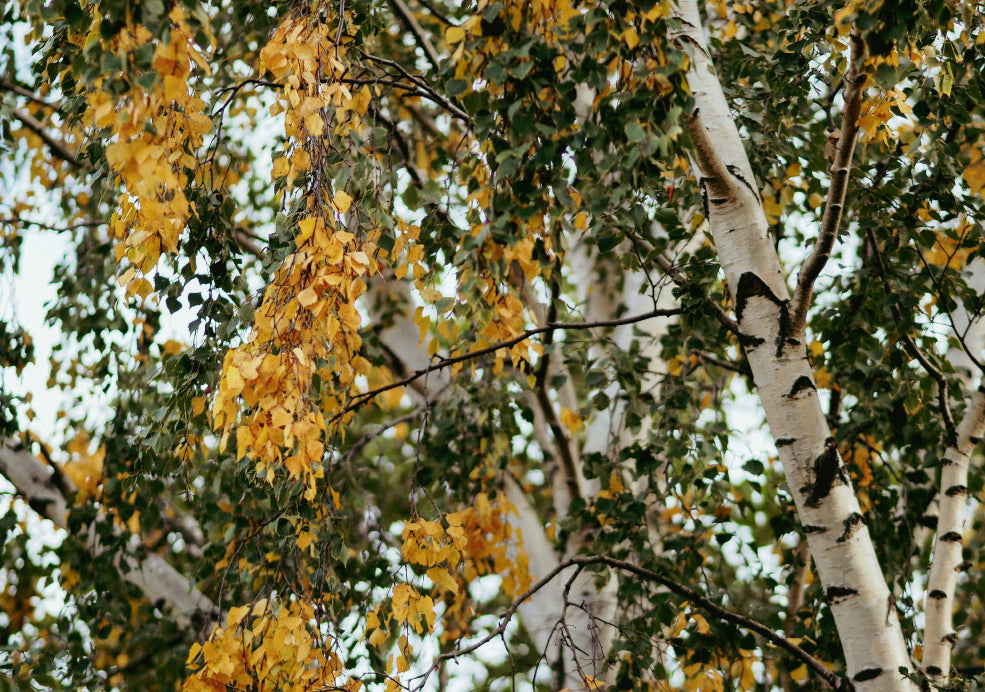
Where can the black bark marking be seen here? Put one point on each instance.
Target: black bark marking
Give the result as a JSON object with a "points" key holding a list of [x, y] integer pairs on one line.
{"points": [[718, 200], [852, 523], [784, 441], [933, 670], [803, 383], [956, 490], [735, 171], [840, 593], [937, 594], [814, 528], [950, 637], [952, 536], [40, 505], [963, 566], [867, 674], [826, 472], [974, 440], [750, 342], [751, 286], [703, 184]]}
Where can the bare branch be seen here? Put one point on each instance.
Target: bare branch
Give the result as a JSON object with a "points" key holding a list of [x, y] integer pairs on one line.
{"points": [[841, 163], [26, 93], [422, 40], [685, 592], [442, 363]]}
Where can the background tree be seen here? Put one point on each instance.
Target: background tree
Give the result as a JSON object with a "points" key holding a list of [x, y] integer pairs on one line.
{"points": [[479, 302]]}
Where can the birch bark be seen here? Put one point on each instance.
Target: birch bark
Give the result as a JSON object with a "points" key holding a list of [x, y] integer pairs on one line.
{"points": [[826, 504], [158, 580]]}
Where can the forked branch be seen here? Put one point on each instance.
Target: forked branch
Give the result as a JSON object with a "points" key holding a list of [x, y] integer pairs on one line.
{"points": [[685, 592]]}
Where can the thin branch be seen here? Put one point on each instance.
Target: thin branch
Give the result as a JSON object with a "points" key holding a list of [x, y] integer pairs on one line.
{"points": [[685, 592], [441, 363], [422, 40], [943, 396], [717, 310], [26, 93], [59, 149], [841, 163], [15, 220], [440, 16]]}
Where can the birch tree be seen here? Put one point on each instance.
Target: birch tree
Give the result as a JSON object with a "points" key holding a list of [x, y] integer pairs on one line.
{"points": [[420, 345]]}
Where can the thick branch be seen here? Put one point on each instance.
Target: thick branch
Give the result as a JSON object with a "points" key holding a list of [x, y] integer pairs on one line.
{"points": [[155, 577], [841, 164]]}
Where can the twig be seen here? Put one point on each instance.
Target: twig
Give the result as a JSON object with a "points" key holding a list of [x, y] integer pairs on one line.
{"points": [[685, 592], [441, 363], [943, 398], [678, 278], [14, 220], [841, 163], [415, 28]]}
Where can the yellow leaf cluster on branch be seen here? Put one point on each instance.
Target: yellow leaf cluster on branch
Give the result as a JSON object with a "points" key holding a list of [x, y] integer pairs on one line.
{"points": [[156, 132], [307, 323]]}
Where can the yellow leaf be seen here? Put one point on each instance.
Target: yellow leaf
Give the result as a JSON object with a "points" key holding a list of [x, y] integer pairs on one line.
{"points": [[281, 166], [631, 38], [342, 201], [314, 124], [454, 34], [172, 347], [307, 297], [571, 420], [799, 674]]}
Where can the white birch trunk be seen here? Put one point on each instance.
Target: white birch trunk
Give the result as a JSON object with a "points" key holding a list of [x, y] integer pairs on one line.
{"points": [[158, 580], [826, 504], [946, 562]]}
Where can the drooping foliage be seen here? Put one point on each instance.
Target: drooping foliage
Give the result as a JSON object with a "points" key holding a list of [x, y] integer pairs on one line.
{"points": [[414, 357]]}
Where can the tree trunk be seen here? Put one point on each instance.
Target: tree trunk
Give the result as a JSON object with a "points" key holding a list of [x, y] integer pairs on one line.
{"points": [[826, 504]]}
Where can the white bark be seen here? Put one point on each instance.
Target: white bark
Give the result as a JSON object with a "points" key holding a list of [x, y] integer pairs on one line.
{"points": [[946, 562], [826, 504], [159, 581]]}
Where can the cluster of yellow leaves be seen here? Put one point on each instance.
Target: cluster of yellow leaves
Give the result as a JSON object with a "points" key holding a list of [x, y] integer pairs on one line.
{"points": [[466, 545], [307, 323], [267, 646], [156, 132], [303, 56], [877, 119], [85, 468], [974, 172]]}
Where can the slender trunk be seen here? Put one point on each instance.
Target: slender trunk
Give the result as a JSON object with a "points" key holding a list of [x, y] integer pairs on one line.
{"points": [[946, 562], [826, 504]]}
